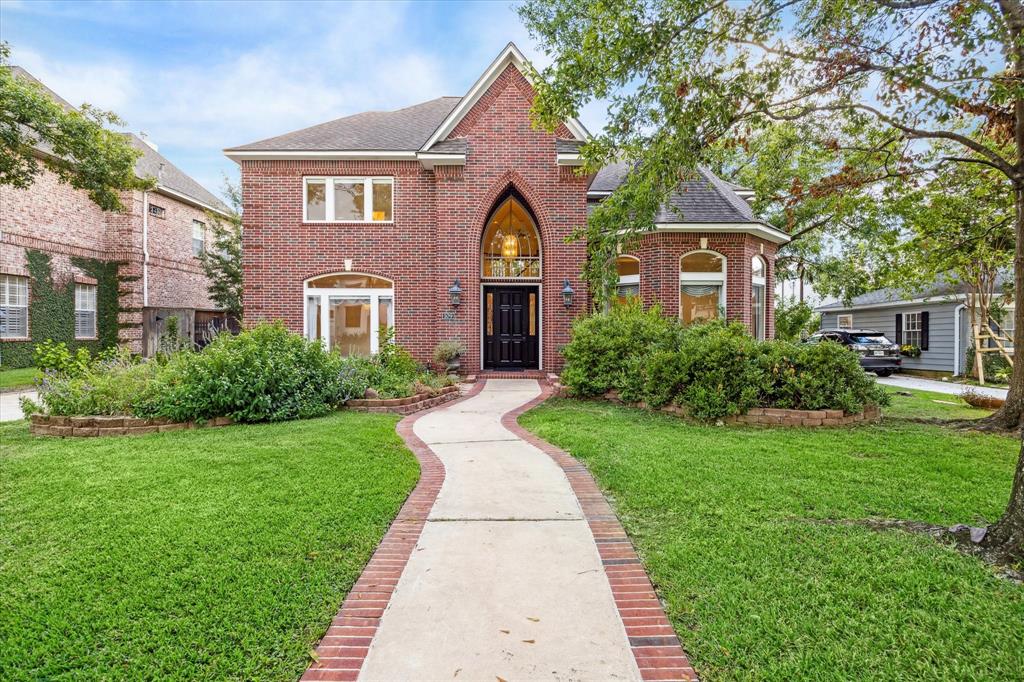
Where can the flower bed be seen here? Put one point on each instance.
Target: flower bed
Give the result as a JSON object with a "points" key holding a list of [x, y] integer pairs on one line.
{"points": [[104, 425], [413, 403]]}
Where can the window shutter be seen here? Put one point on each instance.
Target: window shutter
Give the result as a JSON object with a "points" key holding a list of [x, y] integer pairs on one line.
{"points": [[924, 330], [899, 328]]}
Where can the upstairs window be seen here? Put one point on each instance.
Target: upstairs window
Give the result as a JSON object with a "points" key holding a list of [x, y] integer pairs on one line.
{"points": [[13, 307], [85, 311], [198, 238], [157, 211], [349, 200]]}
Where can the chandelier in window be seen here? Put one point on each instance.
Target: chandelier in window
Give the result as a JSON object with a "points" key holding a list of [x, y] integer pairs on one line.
{"points": [[511, 243]]}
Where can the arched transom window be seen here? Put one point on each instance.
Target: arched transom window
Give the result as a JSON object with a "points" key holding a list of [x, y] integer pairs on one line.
{"points": [[628, 268], [511, 243], [758, 279], [348, 311], [701, 286]]}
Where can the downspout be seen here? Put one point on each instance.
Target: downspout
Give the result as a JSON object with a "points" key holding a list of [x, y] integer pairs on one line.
{"points": [[145, 248], [956, 338]]}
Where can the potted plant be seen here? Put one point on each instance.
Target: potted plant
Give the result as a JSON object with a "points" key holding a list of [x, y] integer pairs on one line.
{"points": [[448, 353], [910, 351]]}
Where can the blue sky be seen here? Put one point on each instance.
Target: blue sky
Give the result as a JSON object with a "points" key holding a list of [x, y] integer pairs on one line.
{"points": [[198, 77]]}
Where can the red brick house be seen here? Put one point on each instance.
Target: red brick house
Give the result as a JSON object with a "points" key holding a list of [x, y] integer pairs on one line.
{"points": [[375, 218], [73, 272]]}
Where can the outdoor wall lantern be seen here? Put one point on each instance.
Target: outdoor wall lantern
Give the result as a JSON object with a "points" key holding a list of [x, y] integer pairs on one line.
{"points": [[455, 293], [567, 294]]}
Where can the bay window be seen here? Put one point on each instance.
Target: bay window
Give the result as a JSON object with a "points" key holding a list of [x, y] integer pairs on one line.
{"points": [[701, 286], [349, 312], [757, 296], [348, 200]]}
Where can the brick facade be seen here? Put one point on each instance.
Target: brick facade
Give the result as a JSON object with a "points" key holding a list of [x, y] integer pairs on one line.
{"points": [[439, 219], [63, 222]]}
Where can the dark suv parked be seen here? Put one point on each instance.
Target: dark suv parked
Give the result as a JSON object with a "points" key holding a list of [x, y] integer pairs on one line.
{"points": [[877, 353]]}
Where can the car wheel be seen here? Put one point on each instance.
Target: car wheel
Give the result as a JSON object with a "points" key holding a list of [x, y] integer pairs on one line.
{"points": [[883, 372]]}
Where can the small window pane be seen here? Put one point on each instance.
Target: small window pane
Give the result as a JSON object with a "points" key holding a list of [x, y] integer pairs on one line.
{"points": [[316, 200], [627, 266], [313, 330], [198, 237], [348, 200], [13, 307], [382, 200], [349, 280], [699, 302], [757, 267], [350, 325], [385, 312], [85, 311]]}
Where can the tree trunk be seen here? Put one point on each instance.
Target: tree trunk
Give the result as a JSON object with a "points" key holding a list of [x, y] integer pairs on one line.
{"points": [[1006, 535]]}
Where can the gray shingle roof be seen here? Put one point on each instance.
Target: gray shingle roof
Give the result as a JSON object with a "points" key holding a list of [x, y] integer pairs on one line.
{"points": [[153, 164], [704, 199], [456, 146], [400, 130], [567, 146], [942, 286]]}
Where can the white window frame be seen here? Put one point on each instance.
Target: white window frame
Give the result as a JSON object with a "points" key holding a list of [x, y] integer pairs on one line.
{"points": [[325, 312], [907, 330], [202, 227], [760, 281], [328, 182], [707, 278], [80, 293], [849, 321], [8, 300]]}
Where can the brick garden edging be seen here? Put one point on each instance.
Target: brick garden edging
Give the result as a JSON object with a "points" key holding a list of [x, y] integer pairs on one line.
{"points": [[656, 648], [346, 643], [413, 403], [88, 426]]}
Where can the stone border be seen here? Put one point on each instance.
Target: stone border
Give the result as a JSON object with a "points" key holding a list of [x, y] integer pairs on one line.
{"points": [[89, 426], [413, 403], [657, 650], [343, 648], [770, 416]]}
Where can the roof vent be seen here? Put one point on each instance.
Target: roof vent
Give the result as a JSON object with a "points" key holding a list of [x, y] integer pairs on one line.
{"points": [[149, 143]]}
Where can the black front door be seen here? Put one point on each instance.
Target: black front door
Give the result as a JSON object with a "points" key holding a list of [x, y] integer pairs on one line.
{"points": [[511, 327]]}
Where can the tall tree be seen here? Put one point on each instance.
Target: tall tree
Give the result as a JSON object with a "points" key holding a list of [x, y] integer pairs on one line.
{"points": [[223, 263], [683, 75], [38, 132]]}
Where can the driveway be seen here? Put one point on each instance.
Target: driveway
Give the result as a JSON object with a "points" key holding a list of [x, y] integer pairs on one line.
{"points": [[912, 383], [10, 408]]}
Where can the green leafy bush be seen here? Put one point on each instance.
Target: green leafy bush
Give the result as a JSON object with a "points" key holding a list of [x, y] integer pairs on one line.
{"points": [[56, 357], [712, 369]]}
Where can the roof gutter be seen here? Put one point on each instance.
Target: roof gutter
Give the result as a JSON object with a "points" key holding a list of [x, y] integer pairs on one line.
{"points": [[931, 300], [174, 194], [757, 229]]}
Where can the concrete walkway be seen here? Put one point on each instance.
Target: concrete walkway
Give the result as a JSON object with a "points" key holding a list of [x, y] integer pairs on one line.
{"points": [[10, 407], [505, 582], [912, 383]]}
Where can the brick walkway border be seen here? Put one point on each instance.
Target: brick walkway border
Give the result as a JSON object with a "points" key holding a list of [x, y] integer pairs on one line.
{"points": [[656, 648], [344, 647]]}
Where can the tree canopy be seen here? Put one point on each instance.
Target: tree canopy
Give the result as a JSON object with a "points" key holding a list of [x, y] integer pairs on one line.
{"points": [[37, 132]]}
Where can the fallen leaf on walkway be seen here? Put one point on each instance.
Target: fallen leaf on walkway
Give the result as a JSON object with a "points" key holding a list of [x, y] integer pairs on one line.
{"points": [[529, 641], [457, 671], [501, 679], [505, 631], [535, 620], [312, 654]]}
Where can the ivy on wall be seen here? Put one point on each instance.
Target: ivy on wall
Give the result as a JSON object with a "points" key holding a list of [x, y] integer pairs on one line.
{"points": [[51, 308]]}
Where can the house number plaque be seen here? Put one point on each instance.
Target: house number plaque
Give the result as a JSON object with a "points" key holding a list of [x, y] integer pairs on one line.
{"points": [[448, 315]]}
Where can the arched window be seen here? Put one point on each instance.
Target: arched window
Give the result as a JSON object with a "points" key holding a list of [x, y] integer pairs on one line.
{"points": [[511, 243], [758, 279], [701, 286], [629, 278], [349, 310]]}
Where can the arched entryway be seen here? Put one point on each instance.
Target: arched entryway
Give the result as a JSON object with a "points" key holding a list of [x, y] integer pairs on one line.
{"points": [[511, 267]]}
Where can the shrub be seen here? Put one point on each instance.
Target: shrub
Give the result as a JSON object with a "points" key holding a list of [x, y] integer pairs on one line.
{"points": [[55, 357], [446, 351], [712, 369], [608, 349]]}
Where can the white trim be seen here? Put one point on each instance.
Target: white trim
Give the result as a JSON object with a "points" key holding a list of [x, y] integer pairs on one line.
{"points": [[956, 337], [300, 155], [163, 189], [932, 300], [569, 159], [540, 316], [848, 325], [429, 160], [757, 229], [329, 182], [509, 55]]}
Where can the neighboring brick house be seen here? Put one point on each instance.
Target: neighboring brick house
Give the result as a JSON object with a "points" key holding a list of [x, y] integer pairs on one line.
{"points": [[71, 271], [375, 218]]}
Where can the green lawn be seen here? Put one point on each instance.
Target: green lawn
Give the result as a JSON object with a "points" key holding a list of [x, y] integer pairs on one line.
{"points": [[17, 378], [929, 405], [212, 554], [731, 525]]}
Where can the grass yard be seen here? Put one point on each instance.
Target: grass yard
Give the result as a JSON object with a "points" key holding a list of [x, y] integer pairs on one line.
{"points": [[17, 378], [213, 554], [929, 405], [732, 525]]}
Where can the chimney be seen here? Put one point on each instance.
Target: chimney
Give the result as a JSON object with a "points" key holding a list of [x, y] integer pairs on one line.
{"points": [[149, 143]]}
